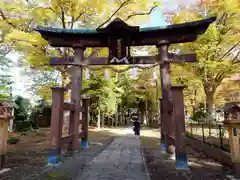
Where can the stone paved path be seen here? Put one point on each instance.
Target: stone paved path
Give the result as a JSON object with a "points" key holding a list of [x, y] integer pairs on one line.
{"points": [[121, 160]]}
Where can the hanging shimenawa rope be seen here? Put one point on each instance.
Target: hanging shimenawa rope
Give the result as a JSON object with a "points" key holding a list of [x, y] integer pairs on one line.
{"points": [[133, 67], [121, 70], [109, 66]]}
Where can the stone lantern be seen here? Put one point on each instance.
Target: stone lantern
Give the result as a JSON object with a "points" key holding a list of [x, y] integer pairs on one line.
{"points": [[232, 121], [5, 117]]}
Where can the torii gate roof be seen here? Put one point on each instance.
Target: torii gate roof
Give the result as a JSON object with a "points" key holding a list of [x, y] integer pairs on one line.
{"points": [[177, 33]]}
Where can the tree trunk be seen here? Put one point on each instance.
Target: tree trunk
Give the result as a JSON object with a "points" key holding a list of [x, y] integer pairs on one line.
{"points": [[109, 121], [102, 119], [146, 113], [116, 119], [99, 119], [209, 105], [119, 115]]}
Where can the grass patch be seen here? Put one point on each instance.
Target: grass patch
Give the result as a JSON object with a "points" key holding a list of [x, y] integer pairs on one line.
{"points": [[149, 142], [94, 135], [57, 176], [13, 140]]}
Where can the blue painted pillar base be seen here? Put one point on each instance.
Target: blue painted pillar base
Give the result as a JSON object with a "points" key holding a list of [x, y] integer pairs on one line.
{"points": [[163, 147], [53, 156], [181, 161], [84, 143]]}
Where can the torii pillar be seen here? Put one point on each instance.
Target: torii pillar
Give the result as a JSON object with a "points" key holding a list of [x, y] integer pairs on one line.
{"points": [[179, 120], [162, 129], [168, 139], [76, 93]]}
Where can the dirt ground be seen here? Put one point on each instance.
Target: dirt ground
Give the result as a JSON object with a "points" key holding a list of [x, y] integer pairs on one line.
{"points": [[28, 158], [161, 166]]}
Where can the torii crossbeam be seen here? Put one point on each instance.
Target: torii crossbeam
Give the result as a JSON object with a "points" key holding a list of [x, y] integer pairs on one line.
{"points": [[174, 58]]}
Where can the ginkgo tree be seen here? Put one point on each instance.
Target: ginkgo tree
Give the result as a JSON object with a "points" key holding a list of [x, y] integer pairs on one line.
{"points": [[6, 79], [218, 49], [19, 18]]}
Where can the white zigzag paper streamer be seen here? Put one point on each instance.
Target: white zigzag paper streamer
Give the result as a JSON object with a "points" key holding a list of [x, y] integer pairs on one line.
{"points": [[134, 73], [116, 60], [155, 75], [106, 74], [87, 74]]}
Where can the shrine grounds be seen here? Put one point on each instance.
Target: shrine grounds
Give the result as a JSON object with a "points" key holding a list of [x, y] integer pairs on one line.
{"points": [[28, 158]]}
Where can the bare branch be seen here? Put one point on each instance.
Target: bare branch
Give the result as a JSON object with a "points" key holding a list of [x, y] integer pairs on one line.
{"points": [[50, 8], [236, 59], [222, 19], [228, 51], [220, 76], [80, 14], [143, 13], [21, 28], [62, 17], [6, 20], [126, 2], [73, 20], [95, 52]]}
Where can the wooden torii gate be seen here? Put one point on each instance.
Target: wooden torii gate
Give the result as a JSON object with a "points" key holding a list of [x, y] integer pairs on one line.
{"points": [[119, 37]]}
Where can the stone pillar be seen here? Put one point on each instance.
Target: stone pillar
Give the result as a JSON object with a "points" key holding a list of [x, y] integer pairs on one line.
{"points": [[85, 118], [76, 94], [56, 125], [166, 95], [179, 120], [163, 133]]}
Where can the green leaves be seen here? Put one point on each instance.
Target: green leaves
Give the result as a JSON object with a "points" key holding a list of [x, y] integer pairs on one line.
{"points": [[6, 78], [217, 49]]}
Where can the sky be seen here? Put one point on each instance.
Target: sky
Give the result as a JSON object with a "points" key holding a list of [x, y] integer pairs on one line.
{"points": [[156, 19]]}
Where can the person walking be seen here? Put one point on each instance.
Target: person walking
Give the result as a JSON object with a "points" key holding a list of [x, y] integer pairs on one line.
{"points": [[136, 125]]}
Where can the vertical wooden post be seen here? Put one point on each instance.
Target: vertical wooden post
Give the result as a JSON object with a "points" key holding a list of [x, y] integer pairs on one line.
{"points": [[3, 141], [70, 129], [179, 121], [5, 116], [163, 133], [76, 94], [84, 140], [234, 135], [166, 96], [56, 125], [10, 129]]}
